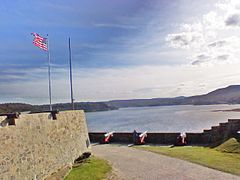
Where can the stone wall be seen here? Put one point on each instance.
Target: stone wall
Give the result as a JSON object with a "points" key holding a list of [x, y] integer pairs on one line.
{"points": [[152, 137], [218, 134], [38, 146], [213, 136]]}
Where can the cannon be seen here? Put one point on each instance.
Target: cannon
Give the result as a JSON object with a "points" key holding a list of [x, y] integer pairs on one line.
{"points": [[107, 138], [139, 139]]}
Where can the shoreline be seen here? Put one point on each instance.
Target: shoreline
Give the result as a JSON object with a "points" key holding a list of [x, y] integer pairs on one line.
{"points": [[227, 110]]}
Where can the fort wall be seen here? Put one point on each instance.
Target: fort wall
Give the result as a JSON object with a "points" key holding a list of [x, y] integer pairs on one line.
{"points": [[37, 145], [213, 136]]}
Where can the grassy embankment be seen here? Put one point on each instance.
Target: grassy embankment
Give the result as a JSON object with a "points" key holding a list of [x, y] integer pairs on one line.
{"points": [[225, 157], [92, 169]]}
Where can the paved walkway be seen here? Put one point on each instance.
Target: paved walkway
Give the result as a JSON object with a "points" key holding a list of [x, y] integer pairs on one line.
{"points": [[130, 163]]}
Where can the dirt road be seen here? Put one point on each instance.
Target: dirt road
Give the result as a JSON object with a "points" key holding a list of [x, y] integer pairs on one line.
{"points": [[131, 163]]}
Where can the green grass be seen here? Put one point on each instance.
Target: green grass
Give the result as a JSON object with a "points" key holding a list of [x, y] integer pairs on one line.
{"points": [[228, 162], [231, 146], [93, 169]]}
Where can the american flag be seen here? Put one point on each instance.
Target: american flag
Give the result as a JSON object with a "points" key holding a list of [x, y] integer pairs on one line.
{"points": [[40, 41]]}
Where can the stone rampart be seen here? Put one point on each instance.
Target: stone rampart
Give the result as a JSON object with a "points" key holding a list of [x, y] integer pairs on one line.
{"points": [[37, 146], [218, 134], [213, 136], [152, 137]]}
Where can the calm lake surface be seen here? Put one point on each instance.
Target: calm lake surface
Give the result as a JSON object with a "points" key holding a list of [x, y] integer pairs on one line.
{"points": [[160, 118]]}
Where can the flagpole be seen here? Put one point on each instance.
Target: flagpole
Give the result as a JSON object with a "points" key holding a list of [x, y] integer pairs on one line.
{"points": [[49, 76], [70, 68]]}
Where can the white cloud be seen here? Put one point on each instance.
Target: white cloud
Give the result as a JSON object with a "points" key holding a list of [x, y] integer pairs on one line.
{"points": [[219, 43], [233, 20], [213, 20], [210, 40], [125, 83], [109, 25], [185, 39]]}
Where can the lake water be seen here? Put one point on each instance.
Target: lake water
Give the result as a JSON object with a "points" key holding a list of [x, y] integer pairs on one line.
{"points": [[160, 118]]}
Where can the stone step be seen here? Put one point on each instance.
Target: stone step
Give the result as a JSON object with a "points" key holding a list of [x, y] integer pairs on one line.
{"points": [[223, 124], [207, 130], [215, 127], [234, 120]]}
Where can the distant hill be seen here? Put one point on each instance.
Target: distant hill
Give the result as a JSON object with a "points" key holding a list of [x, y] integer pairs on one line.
{"points": [[86, 106], [146, 102], [16, 107], [228, 95]]}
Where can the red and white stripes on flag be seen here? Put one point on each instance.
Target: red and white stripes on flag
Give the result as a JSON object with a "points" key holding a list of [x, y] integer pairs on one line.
{"points": [[40, 42]]}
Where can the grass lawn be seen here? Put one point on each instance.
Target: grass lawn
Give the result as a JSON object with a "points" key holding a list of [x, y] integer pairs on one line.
{"points": [[228, 162], [93, 169], [232, 145]]}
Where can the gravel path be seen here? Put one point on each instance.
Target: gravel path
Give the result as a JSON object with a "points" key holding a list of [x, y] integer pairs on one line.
{"points": [[130, 163]]}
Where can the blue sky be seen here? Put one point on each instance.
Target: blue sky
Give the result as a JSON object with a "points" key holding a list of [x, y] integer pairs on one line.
{"points": [[96, 28], [121, 49]]}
